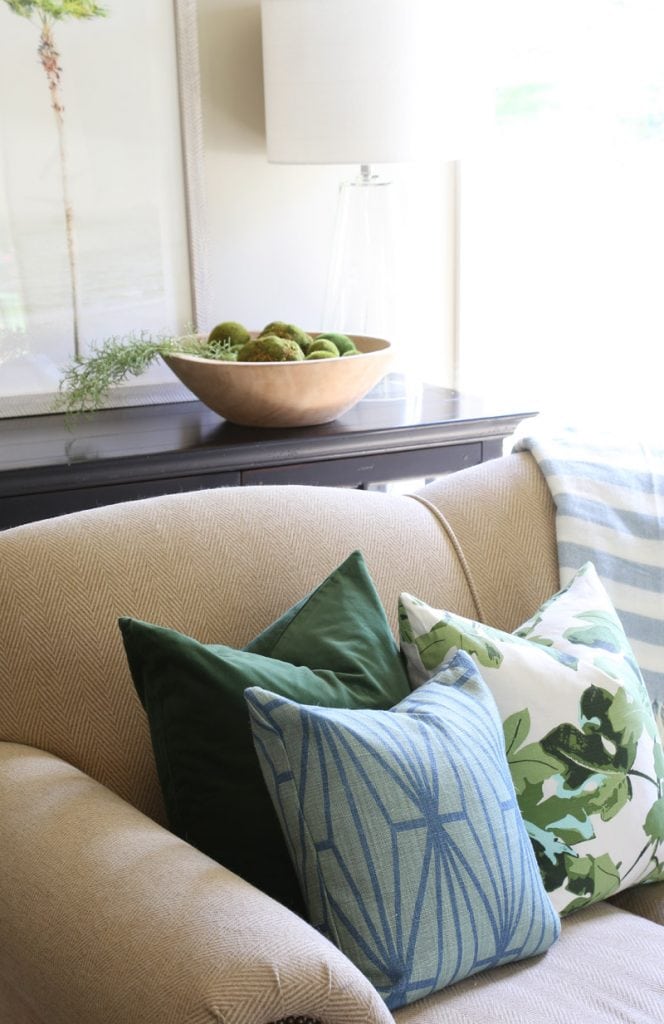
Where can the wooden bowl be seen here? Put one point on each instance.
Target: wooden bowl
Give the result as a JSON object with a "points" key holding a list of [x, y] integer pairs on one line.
{"points": [[289, 394]]}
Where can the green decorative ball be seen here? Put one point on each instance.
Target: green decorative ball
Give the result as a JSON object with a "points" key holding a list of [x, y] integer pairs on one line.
{"points": [[277, 328], [270, 349], [230, 331], [342, 341], [290, 331], [321, 354], [323, 345]]}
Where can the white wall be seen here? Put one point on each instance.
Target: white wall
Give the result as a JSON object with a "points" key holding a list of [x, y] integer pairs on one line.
{"points": [[270, 226]]}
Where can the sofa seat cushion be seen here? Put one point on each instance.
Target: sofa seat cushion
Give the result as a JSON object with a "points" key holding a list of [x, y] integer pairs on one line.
{"points": [[606, 968]]}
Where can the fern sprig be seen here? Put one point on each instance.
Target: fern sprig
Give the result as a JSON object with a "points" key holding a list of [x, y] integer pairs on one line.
{"points": [[87, 380]]}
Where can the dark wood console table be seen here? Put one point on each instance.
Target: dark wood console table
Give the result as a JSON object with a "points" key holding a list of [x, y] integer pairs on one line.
{"points": [[138, 452]]}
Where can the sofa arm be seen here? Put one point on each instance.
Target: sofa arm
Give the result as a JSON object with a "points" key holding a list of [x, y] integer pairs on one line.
{"points": [[106, 916]]}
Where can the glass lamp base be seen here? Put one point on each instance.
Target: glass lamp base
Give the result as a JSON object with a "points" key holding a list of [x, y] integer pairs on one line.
{"points": [[360, 294]]}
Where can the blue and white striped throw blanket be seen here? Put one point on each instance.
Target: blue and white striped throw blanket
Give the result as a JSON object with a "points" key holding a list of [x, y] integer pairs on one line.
{"points": [[609, 499]]}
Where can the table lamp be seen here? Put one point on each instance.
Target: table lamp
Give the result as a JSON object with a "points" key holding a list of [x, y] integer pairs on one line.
{"points": [[353, 82]]}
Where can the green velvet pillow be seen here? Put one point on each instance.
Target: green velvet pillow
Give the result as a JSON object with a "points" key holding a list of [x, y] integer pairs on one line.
{"points": [[333, 648]]}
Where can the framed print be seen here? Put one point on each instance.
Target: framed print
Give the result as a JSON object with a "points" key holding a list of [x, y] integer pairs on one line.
{"points": [[101, 189]]}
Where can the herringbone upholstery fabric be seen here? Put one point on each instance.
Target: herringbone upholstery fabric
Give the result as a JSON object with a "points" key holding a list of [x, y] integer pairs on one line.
{"points": [[645, 900], [16, 1007], [140, 905], [180, 561], [605, 969], [107, 918], [503, 516]]}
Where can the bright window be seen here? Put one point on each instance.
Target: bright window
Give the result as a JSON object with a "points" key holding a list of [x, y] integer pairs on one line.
{"points": [[561, 263]]}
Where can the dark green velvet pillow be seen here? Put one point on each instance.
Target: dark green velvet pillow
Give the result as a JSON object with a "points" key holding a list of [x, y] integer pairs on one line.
{"points": [[334, 648]]}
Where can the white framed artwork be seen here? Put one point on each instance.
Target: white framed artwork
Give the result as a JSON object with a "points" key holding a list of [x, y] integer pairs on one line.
{"points": [[102, 223]]}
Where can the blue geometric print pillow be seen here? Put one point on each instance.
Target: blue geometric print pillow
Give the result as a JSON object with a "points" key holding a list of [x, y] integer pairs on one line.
{"points": [[405, 832]]}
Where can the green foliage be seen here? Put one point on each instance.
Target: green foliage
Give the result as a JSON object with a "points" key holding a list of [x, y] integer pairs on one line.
{"points": [[476, 639], [543, 641], [626, 717], [530, 766], [87, 381], [436, 644], [526, 629], [602, 631], [24, 8], [584, 771], [592, 878], [566, 818], [654, 825], [607, 743], [657, 872], [613, 793], [57, 9], [658, 752], [582, 755], [574, 775], [546, 644], [405, 628], [515, 730], [550, 853]]}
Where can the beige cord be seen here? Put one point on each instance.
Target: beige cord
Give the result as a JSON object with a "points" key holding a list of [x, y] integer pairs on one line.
{"points": [[458, 550]]}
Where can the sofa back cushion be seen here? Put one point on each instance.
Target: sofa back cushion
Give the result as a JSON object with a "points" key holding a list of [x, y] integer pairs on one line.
{"points": [[216, 565], [502, 516]]}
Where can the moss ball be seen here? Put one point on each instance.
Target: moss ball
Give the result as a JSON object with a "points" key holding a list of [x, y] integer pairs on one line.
{"points": [[320, 354], [350, 352], [277, 328], [291, 331], [270, 349], [230, 331], [304, 340], [342, 341], [324, 345]]}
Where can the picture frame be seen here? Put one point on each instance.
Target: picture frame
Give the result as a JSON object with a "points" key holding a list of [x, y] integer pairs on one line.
{"points": [[144, 250]]}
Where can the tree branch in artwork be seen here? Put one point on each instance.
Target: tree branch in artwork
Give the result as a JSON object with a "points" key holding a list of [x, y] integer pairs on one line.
{"points": [[45, 13]]}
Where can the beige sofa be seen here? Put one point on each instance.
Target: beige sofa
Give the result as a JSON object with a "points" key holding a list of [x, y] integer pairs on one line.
{"points": [[108, 918]]}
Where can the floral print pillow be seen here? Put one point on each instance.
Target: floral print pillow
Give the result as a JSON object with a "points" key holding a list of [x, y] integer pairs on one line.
{"points": [[582, 744]]}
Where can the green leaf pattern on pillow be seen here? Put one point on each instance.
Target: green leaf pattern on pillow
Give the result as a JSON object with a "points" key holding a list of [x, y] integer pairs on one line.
{"points": [[581, 740]]}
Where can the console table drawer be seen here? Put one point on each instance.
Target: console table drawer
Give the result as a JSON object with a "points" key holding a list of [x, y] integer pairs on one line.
{"points": [[356, 471], [25, 508]]}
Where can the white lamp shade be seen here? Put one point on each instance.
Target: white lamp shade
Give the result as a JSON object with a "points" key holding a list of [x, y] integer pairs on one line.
{"points": [[360, 81]]}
